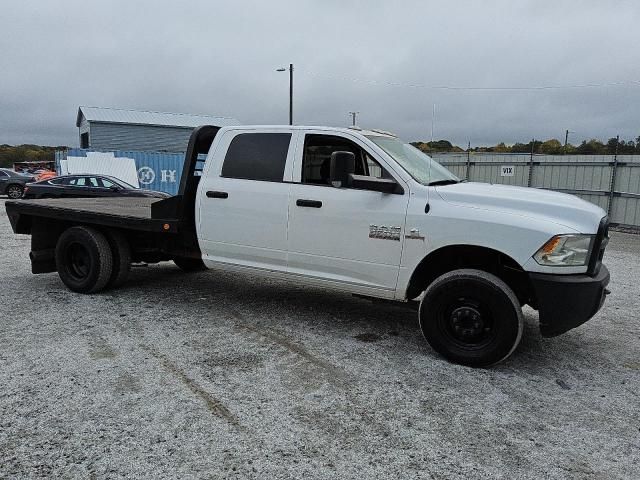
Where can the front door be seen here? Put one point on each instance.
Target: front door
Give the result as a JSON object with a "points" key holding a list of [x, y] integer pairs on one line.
{"points": [[345, 236], [243, 200]]}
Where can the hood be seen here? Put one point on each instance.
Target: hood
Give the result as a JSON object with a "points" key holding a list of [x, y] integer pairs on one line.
{"points": [[560, 208]]}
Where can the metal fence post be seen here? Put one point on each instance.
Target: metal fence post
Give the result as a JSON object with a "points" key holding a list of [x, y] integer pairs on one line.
{"points": [[612, 182], [530, 176], [468, 161]]}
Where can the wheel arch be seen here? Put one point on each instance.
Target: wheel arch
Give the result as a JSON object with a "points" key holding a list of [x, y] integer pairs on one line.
{"points": [[457, 256]]}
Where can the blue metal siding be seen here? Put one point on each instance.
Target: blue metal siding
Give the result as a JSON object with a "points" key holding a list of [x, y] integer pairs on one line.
{"points": [[149, 138], [156, 170]]}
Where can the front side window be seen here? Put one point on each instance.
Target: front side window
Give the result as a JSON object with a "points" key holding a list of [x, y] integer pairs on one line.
{"points": [[106, 183], [417, 164], [257, 156], [316, 160]]}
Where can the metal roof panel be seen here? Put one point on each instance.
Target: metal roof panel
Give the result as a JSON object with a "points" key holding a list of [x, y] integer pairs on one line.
{"points": [[140, 117]]}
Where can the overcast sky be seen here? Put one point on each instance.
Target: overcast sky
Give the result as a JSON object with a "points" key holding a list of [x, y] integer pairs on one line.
{"points": [[378, 58]]}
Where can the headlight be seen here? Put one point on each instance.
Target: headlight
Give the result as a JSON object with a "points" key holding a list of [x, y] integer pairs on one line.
{"points": [[565, 251]]}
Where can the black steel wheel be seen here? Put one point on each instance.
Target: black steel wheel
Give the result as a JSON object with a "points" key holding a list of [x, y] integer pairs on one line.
{"points": [[84, 259], [187, 264], [15, 191], [471, 317]]}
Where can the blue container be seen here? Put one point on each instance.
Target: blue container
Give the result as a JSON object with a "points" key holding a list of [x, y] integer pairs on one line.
{"points": [[156, 170]]}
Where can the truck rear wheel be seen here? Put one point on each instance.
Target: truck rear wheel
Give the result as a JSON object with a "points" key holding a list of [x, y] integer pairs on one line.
{"points": [[121, 252], [187, 264], [84, 259], [471, 317]]}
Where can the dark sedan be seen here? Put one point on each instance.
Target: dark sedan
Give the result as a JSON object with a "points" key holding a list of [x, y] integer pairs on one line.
{"points": [[86, 185], [12, 183]]}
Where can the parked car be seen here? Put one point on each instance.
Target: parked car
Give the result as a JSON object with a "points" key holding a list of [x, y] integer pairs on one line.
{"points": [[44, 175], [12, 183], [358, 211], [86, 185]]}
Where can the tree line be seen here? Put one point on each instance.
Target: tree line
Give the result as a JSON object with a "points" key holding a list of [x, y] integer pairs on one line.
{"points": [[552, 146], [10, 154], [26, 153]]}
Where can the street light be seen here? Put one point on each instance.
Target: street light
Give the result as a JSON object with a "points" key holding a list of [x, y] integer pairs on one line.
{"points": [[290, 90]]}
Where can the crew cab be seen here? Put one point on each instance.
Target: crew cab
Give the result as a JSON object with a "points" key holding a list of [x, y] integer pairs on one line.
{"points": [[355, 210]]}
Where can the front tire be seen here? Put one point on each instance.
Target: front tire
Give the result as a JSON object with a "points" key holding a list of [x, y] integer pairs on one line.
{"points": [[471, 317], [15, 191], [84, 259]]}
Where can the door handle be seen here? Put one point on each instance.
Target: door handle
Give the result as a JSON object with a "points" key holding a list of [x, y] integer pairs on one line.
{"points": [[211, 194], [308, 203]]}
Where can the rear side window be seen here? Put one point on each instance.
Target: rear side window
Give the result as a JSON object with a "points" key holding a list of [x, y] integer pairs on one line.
{"points": [[257, 156]]}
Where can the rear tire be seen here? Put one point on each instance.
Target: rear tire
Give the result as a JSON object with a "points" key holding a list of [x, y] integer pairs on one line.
{"points": [[14, 191], [121, 251], [471, 317], [187, 264], [84, 259]]}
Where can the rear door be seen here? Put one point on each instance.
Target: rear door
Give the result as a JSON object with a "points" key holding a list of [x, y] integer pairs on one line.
{"points": [[243, 199], [346, 236]]}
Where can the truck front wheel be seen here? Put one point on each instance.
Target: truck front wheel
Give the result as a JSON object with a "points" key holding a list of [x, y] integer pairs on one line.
{"points": [[471, 317], [84, 259]]}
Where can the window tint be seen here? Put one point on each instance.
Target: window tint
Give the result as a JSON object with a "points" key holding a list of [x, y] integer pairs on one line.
{"points": [[316, 162], [92, 181], [56, 181], [257, 156]]}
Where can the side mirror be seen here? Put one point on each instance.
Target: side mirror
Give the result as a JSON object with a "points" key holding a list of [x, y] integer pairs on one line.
{"points": [[382, 185], [343, 164]]}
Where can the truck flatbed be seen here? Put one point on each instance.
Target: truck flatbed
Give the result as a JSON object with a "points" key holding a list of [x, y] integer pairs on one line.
{"points": [[131, 213]]}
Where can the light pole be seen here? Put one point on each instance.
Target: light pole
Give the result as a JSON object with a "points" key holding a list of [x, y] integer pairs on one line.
{"points": [[566, 138], [290, 90], [353, 117], [433, 120]]}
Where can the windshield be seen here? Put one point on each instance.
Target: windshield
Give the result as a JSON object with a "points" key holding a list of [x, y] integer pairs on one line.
{"points": [[420, 166]]}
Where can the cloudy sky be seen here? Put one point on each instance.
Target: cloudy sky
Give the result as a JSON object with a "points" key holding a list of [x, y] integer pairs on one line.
{"points": [[379, 58]]}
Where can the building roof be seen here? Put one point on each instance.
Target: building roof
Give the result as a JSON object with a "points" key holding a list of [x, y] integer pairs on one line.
{"points": [[138, 117]]}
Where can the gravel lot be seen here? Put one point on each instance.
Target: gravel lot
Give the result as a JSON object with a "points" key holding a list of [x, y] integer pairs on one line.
{"points": [[214, 375]]}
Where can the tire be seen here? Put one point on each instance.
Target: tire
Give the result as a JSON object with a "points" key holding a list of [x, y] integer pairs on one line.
{"points": [[14, 191], [187, 264], [84, 259], [121, 252], [471, 317]]}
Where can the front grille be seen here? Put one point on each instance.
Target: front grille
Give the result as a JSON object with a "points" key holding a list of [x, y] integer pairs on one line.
{"points": [[599, 246]]}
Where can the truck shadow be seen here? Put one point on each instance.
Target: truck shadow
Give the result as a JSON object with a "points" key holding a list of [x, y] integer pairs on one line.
{"points": [[383, 325]]}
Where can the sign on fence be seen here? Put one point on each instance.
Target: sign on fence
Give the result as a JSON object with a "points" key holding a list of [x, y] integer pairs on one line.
{"points": [[507, 170]]}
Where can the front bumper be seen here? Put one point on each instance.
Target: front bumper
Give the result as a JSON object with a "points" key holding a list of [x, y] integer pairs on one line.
{"points": [[567, 301]]}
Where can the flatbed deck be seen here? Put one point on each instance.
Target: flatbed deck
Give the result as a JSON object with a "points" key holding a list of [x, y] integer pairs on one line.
{"points": [[132, 213]]}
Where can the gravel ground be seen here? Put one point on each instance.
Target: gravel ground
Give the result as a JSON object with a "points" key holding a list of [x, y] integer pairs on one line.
{"points": [[214, 375]]}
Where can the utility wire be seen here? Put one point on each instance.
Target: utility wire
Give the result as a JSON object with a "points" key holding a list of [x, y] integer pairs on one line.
{"points": [[458, 88]]}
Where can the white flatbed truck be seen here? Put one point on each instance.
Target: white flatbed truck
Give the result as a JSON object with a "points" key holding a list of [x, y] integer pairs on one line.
{"points": [[354, 210]]}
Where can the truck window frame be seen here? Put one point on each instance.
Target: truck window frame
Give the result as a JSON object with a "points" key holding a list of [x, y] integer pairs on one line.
{"points": [[364, 153]]}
